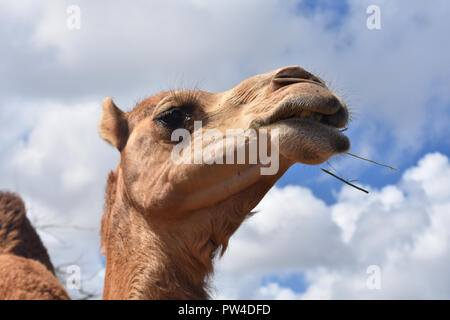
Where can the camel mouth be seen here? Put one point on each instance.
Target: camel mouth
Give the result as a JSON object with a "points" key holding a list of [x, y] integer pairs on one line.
{"points": [[329, 111], [309, 127], [306, 115]]}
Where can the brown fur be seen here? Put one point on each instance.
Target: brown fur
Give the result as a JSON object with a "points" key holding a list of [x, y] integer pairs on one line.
{"points": [[25, 268], [163, 223]]}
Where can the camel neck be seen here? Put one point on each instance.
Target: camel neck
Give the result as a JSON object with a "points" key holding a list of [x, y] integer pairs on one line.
{"points": [[150, 260]]}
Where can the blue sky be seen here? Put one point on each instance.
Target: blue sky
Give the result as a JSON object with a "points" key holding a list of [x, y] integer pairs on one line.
{"points": [[395, 81], [337, 9]]}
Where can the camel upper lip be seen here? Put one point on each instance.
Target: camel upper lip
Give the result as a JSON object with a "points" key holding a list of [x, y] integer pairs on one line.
{"points": [[329, 112]]}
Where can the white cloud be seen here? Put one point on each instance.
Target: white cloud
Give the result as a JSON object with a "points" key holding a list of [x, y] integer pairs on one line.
{"points": [[402, 228], [61, 159], [275, 292]]}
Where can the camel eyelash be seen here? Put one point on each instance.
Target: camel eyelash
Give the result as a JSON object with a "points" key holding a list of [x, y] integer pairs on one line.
{"points": [[185, 98]]}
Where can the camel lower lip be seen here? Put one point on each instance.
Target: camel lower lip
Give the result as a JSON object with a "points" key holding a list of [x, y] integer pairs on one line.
{"points": [[314, 130]]}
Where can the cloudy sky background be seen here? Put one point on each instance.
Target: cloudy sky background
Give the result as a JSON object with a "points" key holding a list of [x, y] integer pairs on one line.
{"points": [[313, 237]]}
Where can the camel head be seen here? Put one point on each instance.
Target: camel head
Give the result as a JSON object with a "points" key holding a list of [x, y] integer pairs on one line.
{"points": [[305, 112], [195, 163]]}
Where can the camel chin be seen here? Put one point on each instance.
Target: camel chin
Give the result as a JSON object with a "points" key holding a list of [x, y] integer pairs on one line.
{"points": [[310, 142]]}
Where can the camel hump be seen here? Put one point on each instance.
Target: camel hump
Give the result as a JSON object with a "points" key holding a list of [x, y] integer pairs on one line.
{"points": [[12, 214], [17, 235]]}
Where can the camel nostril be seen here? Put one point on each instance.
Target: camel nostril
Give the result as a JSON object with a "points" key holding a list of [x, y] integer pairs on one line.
{"points": [[294, 74]]}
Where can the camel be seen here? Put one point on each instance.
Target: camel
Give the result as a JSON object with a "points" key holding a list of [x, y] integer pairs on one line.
{"points": [[26, 272], [165, 222]]}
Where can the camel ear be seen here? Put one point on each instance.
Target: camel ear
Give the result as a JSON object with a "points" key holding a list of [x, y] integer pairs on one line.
{"points": [[113, 125]]}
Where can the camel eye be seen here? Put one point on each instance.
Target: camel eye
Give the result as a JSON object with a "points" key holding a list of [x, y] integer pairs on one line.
{"points": [[172, 118]]}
